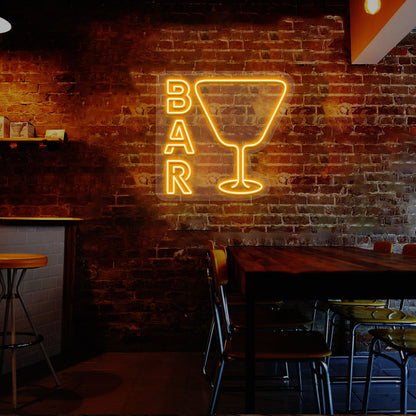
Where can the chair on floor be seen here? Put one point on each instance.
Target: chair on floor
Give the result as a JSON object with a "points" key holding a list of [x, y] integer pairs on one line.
{"points": [[372, 316], [328, 306], [279, 345], [403, 341], [268, 315]]}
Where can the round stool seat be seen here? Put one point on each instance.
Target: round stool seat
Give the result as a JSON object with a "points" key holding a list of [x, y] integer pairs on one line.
{"points": [[22, 261]]}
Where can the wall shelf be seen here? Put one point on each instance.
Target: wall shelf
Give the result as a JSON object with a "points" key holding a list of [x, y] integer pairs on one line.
{"points": [[31, 140]]}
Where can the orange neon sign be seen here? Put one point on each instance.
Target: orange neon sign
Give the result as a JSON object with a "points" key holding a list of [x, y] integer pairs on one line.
{"points": [[240, 185], [199, 118]]}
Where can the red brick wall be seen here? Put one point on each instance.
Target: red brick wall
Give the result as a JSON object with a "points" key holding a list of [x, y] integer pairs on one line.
{"points": [[341, 165]]}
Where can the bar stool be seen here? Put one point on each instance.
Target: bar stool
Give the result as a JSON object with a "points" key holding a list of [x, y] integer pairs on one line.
{"points": [[16, 266]]}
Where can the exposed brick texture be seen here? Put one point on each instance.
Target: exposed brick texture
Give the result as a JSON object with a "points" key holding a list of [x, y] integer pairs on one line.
{"points": [[341, 164]]}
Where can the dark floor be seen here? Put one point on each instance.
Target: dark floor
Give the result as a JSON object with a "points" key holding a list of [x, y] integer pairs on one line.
{"points": [[172, 384]]}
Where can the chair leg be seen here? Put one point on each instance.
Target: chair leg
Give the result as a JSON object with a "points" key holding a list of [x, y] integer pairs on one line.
{"points": [[326, 386], [322, 387], [315, 385], [13, 351], [369, 375], [208, 346], [403, 385], [327, 324], [300, 378], [330, 324], [217, 384], [351, 368]]}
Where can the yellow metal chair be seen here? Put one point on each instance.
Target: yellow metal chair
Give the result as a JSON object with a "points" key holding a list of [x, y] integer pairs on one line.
{"points": [[368, 315], [402, 341], [268, 315], [281, 345], [381, 247], [372, 317], [328, 306]]}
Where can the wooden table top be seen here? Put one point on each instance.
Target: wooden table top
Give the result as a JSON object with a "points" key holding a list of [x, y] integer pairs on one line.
{"points": [[323, 270], [295, 260]]}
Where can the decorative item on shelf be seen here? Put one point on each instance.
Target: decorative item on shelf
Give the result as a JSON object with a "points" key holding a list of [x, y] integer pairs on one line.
{"points": [[56, 135], [22, 129], [15, 132], [4, 127]]}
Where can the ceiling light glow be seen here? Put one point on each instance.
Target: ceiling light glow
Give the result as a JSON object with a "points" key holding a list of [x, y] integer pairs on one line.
{"points": [[5, 26], [372, 6]]}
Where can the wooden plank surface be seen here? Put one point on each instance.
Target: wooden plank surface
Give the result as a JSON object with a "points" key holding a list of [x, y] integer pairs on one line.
{"points": [[323, 272], [295, 260]]}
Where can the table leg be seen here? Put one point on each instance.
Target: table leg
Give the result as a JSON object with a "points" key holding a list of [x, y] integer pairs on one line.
{"points": [[13, 337], [250, 348]]}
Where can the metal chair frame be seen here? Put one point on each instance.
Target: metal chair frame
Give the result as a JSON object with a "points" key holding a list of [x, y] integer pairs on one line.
{"points": [[379, 246], [211, 332], [271, 309], [225, 333], [404, 356], [319, 370], [351, 355], [377, 351]]}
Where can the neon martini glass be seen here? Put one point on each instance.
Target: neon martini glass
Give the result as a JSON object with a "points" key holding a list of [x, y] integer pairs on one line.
{"points": [[248, 137]]}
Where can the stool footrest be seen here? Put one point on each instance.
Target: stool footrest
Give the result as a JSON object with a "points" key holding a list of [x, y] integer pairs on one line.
{"points": [[36, 339]]}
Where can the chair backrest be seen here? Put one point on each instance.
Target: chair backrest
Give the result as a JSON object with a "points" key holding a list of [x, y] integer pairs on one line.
{"points": [[218, 258], [383, 246], [409, 250]]}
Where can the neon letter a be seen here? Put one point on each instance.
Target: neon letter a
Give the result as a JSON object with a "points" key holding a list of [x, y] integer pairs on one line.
{"points": [[180, 138]]}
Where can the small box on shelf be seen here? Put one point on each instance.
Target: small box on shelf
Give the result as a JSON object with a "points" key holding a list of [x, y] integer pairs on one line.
{"points": [[56, 135], [22, 129], [4, 127]]}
